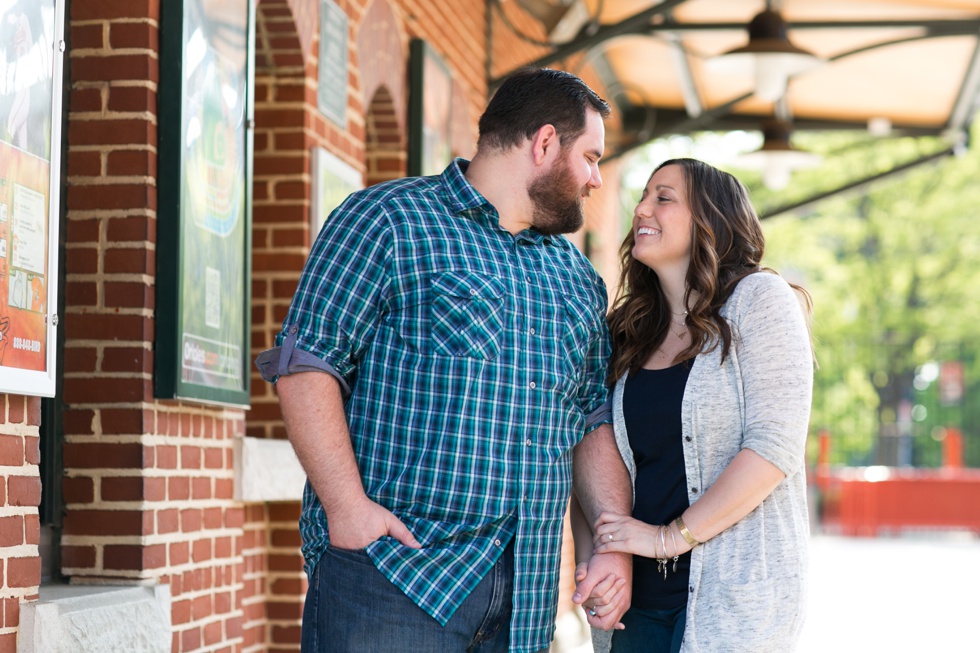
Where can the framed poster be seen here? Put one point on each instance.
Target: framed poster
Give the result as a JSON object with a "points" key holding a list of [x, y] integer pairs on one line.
{"points": [[333, 181], [430, 101], [204, 222], [31, 73]]}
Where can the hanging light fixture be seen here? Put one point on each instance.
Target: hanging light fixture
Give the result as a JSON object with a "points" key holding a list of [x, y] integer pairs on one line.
{"points": [[777, 158], [562, 19], [770, 54]]}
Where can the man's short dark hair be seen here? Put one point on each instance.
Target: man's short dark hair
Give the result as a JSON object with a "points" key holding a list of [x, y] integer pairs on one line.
{"points": [[532, 98]]}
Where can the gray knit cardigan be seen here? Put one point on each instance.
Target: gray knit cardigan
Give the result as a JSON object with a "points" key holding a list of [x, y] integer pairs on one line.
{"points": [[748, 584]]}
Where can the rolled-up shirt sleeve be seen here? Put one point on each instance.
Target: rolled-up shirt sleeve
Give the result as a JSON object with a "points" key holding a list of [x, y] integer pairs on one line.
{"points": [[285, 359], [599, 416], [339, 299]]}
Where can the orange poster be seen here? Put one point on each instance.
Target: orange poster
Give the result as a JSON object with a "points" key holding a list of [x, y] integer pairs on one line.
{"points": [[23, 259], [29, 120]]}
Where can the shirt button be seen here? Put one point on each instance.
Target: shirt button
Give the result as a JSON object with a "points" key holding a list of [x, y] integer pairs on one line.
{"points": [[533, 385], [529, 278], [472, 291], [531, 331], [496, 542], [528, 442], [293, 329]]}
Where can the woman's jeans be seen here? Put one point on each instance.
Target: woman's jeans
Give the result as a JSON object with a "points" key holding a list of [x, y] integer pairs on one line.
{"points": [[352, 608]]}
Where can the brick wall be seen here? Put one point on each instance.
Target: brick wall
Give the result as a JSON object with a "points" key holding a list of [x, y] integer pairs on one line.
{"points": [[148, 485], [20, 495]]}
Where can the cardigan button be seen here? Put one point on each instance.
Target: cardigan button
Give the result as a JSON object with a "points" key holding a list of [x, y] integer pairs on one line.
{"points": [[694, 490], [688, 438]]}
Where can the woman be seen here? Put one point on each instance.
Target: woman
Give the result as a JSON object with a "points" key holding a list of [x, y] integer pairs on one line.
{"points": [[713, 375]]}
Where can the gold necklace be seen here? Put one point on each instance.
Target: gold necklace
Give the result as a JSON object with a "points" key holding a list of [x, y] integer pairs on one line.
{"points": [[682, 324]]}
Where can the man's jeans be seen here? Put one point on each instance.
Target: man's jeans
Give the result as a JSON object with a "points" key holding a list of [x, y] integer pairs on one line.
{"points": [[352, 608]]}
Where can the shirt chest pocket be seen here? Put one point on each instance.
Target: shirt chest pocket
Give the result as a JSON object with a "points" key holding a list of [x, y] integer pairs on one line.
{"points": [[578, 332], [466, 315]]}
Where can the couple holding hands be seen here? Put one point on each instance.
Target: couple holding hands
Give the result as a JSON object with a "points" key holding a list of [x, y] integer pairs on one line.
{"points": [[449, 378]]}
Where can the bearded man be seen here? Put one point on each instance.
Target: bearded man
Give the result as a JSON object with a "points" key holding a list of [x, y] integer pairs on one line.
{"points": [[440, 368]]}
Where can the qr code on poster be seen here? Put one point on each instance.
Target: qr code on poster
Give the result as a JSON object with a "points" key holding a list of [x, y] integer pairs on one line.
{"points": [[212, 298]]}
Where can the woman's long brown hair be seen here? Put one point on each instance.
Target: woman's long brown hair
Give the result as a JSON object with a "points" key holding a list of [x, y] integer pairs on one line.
{"points": [[727, 245]]}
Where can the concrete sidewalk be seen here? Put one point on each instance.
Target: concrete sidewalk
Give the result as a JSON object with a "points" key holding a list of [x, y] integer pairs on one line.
{"points": [[914, 593]]}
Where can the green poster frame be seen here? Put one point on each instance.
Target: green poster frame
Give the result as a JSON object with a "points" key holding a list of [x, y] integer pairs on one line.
{"points": [[205, 204], [430, 119]]}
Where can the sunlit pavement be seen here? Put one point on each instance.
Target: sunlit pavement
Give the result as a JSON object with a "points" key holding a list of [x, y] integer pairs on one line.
{"points": [[912, 593], [915, 593]]}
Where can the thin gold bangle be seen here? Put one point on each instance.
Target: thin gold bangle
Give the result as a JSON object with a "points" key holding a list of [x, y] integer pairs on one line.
{"points": [[686, 534]]}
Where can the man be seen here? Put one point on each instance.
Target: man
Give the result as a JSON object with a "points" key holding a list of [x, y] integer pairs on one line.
{"points": [[443, 356]]}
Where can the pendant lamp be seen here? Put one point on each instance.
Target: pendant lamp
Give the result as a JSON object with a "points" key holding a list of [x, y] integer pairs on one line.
{"points": [[769, 54], [777, 158]]}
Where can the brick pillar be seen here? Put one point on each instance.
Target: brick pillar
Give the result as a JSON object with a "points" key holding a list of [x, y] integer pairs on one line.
{"points": [[20, 495], [287, 126], [255, 631], [148, 485], [285, 577]]}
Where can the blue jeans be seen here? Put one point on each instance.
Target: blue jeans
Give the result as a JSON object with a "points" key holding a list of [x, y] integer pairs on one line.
{"points": [[651, 631], [352, 608]]}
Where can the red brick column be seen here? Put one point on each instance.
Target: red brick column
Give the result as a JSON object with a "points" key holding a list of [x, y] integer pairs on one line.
{"points": [[148, 485], [287, 126], [20, 495]]}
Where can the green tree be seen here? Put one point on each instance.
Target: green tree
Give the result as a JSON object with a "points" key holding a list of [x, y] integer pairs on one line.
{"points": [[892, 274]]}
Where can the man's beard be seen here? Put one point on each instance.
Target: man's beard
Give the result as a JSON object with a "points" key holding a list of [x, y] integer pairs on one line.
{"points": [[557, 204]]}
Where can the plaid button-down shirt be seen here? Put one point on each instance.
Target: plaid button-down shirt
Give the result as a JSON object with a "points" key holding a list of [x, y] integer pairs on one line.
{"points": [[472, 361]]}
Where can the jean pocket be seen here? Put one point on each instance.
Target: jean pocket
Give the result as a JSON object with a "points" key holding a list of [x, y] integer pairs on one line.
{"points": [[467, 315], [358, 556]]}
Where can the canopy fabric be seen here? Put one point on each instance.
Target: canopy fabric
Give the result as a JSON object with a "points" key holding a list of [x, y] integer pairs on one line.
{"points": [[911, 66]]}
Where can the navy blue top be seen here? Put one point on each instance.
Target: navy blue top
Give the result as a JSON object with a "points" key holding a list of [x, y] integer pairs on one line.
{"points": [[652, 409]]}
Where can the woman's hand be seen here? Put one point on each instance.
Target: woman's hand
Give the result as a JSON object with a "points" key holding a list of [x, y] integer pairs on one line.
{"points": [[606, 603], [620, 533]]}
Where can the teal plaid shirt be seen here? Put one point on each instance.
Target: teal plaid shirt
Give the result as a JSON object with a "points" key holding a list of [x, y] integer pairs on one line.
{"points": [[472, 361]]}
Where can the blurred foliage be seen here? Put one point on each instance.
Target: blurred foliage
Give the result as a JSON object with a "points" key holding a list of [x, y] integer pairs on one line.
{"points": [[892, 271]]}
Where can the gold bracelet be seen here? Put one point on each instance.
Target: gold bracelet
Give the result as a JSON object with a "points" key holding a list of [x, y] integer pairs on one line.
{"points": [[686, 534]]}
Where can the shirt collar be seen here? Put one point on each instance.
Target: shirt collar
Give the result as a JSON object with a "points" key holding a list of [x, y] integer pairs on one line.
{"points": [[463, 198]]}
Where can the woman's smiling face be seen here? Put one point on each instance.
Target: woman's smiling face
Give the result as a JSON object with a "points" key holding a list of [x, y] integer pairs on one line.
{"points": [[662, 221]]}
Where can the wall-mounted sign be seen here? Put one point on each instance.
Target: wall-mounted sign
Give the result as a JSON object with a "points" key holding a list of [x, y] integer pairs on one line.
{"points": [[31, 65], [333, 181], [430, 108], [331, 92], [204, 226]]}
